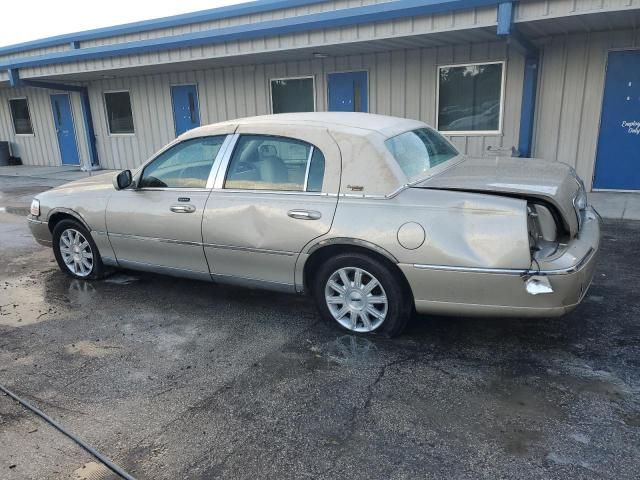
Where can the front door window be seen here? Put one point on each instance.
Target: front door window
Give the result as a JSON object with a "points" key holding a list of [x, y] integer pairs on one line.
{"points": [[185, 165]]}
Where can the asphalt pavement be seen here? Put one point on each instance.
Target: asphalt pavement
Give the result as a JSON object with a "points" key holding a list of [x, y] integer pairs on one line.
{"points": [[175, 378]]}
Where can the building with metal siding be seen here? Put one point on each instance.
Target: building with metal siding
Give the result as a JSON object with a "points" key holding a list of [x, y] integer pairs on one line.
{"points": [[553, 56]]}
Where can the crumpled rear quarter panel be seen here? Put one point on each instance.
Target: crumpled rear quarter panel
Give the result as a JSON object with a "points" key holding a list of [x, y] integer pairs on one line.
{"points": [[461, 229]]}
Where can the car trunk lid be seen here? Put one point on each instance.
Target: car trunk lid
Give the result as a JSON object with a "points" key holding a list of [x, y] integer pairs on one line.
{"points": [[553, 182]]}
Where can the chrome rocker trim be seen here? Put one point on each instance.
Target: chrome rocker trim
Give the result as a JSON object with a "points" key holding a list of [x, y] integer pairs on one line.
{"points": [[510, 271]]}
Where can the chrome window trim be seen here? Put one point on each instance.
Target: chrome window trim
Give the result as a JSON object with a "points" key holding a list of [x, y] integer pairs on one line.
{"points": [[306, 172], [277, 192], [221, 173], [170, 189], [216, 162]]}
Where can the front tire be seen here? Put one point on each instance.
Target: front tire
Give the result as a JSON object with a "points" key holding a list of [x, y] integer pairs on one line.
{"points": [[361, 295], [76, 252]]}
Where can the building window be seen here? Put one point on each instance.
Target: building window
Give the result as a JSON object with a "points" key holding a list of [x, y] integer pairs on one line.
{"points": [[20, 116], [470, 98], [119, 115], [293, 95]]}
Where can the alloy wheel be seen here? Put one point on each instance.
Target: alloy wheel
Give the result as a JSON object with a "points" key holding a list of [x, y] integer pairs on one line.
{"points": [[76, 252], [356, 299]]}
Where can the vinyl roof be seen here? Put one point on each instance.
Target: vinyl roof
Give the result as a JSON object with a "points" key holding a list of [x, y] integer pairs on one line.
{"points": [[365, 122]]}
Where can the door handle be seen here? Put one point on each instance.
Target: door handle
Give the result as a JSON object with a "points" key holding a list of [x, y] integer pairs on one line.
{"points": [[304, 214], [182, 208]]}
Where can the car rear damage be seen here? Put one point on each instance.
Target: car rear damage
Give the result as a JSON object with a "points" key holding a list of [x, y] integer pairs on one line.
{"points": [[563, 235]]}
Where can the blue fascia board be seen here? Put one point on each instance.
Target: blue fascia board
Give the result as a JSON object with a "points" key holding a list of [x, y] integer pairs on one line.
{"points": [[229, 11], [331, 19]]}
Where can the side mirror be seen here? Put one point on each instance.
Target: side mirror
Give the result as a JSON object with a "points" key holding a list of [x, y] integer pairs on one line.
{"points": [[122, 180]]}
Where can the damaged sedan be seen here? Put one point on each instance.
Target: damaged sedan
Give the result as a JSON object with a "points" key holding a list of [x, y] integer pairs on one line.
{"points": [[375, 217]]}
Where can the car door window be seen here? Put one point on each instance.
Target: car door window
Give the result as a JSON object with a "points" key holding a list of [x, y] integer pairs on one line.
{"points": [[262, 162], [185, 165]]}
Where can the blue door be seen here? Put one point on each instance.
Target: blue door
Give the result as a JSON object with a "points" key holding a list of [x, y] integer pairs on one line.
{"points": [[618, 157], [186, 114], [63, 121], [348, 92]]}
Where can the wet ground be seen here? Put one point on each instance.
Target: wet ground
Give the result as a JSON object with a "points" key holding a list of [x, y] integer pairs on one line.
{"points": [[180, 379]]}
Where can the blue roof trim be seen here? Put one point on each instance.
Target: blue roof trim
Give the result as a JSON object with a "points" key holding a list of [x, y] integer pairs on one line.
{"points": [[229, 11], [331, 19]]}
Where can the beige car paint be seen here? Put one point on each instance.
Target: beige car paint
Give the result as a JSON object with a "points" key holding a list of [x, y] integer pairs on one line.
{"points": [[553, 181], [475, 257], [249, 234]]}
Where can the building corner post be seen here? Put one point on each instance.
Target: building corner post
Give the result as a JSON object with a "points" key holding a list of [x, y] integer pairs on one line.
{"points": [[528, 109], [506, 28]]}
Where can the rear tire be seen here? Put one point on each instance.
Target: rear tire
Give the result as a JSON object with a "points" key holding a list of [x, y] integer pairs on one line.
{"points": [[76, 252], [361, 295]]}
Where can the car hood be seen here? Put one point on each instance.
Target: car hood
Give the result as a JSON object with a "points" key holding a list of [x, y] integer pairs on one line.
{"points": [[90, 183], [554, 182]]}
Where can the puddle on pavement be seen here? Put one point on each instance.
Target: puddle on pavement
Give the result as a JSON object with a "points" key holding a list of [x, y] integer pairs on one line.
{"points": [[33, 290], [41, 295], [121, 279], [23, 302], [349, 350]]}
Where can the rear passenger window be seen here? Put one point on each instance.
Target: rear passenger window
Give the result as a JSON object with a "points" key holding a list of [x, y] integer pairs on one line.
{"points": [[261, 162]]}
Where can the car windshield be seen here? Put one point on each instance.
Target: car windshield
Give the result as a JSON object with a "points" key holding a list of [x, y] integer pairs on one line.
{"points": [[419, 150]]}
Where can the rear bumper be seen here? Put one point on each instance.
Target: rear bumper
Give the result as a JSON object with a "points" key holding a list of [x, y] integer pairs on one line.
{"points": [[40, 231], [447, 290]]}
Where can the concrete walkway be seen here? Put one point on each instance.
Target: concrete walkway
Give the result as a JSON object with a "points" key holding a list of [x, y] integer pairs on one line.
{"points": [[616, 205], [65, 173], [620, 206]]}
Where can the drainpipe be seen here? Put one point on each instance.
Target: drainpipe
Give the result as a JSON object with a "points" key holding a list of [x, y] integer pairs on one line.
{"points": [[506, 28], [16, 81]]}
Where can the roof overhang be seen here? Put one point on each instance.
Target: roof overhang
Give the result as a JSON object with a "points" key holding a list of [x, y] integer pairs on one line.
{"points": [[369, 14]]}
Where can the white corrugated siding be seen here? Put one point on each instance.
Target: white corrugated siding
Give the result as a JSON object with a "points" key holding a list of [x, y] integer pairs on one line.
{"points": [[359, 34], [41, 148], [35, 52], [196, 27], [233, 21], [401, 83], [528, 10], [570, 93]]}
